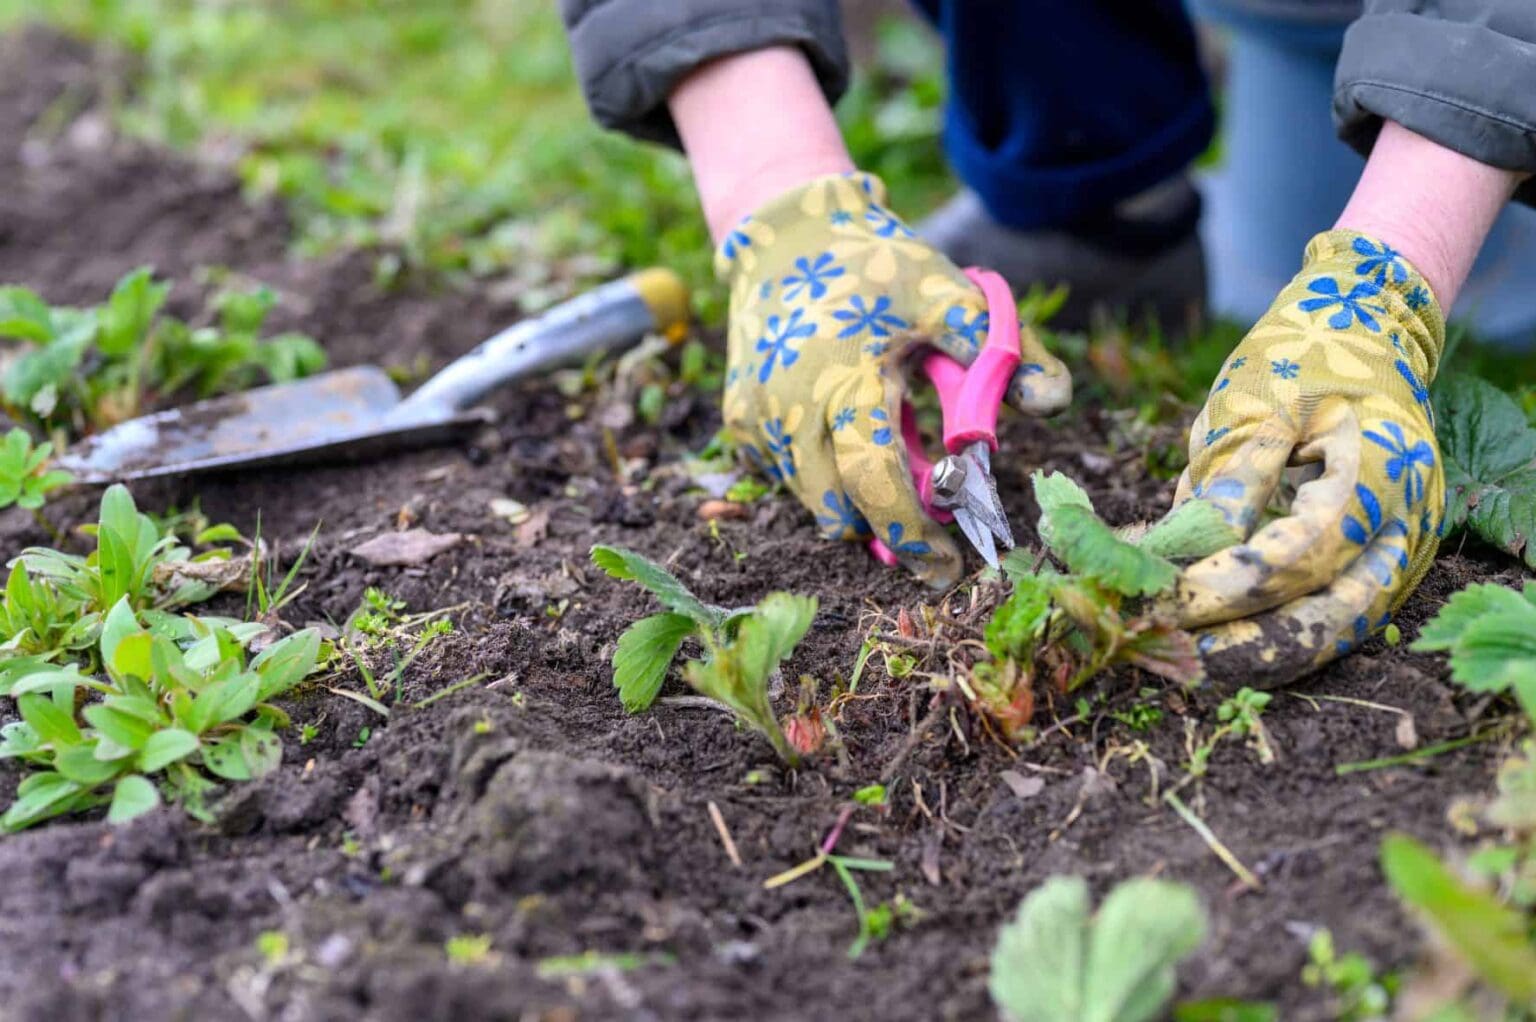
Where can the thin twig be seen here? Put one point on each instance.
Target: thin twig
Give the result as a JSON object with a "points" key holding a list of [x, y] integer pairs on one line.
{"points": [[725, 835], [1223, 853]]}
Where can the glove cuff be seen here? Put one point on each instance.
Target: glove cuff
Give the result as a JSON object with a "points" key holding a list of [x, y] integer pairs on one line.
{"points": [[850, 194], [1369, 282]]}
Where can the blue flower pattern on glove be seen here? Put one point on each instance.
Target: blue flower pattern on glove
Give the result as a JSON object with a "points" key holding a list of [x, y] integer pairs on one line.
{"points": [[1285, 369], [898, 544], [811, 280], [1407, 463], [781, 446], [882, 420], [843, 419], [778, 342], [843, 515], [875, 318], [1352, 306], [1383, 263], [885, 223], [971, 330]]}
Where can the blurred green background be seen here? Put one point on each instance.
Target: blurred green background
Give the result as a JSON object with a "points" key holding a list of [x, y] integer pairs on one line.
{"points": [[451, 132]]}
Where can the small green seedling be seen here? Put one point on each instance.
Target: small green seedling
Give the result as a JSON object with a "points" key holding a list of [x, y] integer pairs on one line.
{"points": [[273, 946], [84, 369], [1240, 717], [179, 701], [469, 949], [874, 924], [1489, 631], [25, 479], [1489, 451], [1055, 961], [743, 648], [1102, 611], [380, 626], [1358, 995]]}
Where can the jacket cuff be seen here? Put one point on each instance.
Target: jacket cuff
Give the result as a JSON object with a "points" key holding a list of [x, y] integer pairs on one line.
{"points": [[1466, 86], [630, 54]]}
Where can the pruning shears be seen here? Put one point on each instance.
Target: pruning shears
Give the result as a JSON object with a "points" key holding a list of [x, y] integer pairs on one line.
{"points": [[959, 486]]}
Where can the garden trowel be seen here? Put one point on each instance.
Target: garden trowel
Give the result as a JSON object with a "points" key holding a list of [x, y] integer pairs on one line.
{"points": [[358, 412]]}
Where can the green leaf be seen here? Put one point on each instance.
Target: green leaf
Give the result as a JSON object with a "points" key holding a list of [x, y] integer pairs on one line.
{"points": [[287, 662], [1144, 928], [38, 797], [1053, 963], [166, 747], [1489, 453], [1445, 630], [125, 319], [1019, 623], [1089, 547], [25, 316], [1495, 651], [738, 670], [226, 760], [1190, 531], [644, 653], [81, 764], [1038, 960], [262, 750], [133, 796], [119, 623], [1490, 936], [628, 566], [125, 730], [51, 723]]}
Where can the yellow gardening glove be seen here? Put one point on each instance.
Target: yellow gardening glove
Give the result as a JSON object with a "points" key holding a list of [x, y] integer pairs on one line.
{"points": [[829, 290], [1330, 390]]}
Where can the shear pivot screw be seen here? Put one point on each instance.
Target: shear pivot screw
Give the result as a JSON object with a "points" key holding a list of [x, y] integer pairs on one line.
{"points": [[948, 478]]}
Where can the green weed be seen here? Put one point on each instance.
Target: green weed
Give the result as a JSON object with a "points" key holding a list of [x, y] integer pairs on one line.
{"points": [[80, 370]]}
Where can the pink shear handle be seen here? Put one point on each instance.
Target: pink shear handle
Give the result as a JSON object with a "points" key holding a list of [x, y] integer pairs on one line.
{"points": [[969, 398]]}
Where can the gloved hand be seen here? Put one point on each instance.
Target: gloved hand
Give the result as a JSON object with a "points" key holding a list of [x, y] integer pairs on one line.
{"points": [[1332, 382], [829, 290]]}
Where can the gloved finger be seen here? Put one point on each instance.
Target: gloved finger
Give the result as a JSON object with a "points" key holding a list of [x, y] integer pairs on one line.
{"points": [[1301, 552], [872, 464], [1237, 469], [820, 489], [1281, 645], [958, 323]]}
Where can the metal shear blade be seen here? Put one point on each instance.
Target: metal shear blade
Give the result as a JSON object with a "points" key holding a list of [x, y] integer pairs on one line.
{"points": [[979, 512]]}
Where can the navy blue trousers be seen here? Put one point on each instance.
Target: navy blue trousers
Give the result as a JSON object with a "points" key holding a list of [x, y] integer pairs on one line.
{"points": [[1058, 109]]}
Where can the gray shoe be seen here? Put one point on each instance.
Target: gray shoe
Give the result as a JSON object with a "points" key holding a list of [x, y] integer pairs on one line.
{"points": [[1142, 257]]}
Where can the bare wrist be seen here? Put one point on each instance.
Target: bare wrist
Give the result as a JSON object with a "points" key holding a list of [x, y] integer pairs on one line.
{"points": [[754, 126], [1432, 204]]}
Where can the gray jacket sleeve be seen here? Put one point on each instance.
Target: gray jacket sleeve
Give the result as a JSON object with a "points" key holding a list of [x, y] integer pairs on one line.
{"points": [[1459, 72], [630, 53]]}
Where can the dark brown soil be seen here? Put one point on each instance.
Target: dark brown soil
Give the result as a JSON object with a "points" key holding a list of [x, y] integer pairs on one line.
{"points": [[530, 808]]}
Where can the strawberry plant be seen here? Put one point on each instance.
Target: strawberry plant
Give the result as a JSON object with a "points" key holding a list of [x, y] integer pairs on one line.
{"points": [[78, 370], [1490, 633], [172, 709], [1489, 451], [742, 648], [1068, 626], [1057, 961], [25, 479]]}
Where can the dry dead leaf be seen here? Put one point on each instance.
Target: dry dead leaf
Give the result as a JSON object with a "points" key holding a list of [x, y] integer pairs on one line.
{"points": [[1407, 733], [405, 549], [1022, 787], [223, 574], [533, 528]]}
